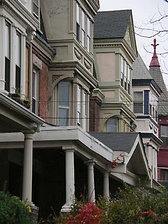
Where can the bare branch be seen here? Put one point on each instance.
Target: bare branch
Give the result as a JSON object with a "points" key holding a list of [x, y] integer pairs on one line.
{"points": [[158, 20]]}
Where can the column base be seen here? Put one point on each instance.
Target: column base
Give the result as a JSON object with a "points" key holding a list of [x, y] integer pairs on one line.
{"points": [[66, 208]]}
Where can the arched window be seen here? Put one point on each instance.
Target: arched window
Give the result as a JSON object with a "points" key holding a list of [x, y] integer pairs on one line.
{"points": [[112, 124]]}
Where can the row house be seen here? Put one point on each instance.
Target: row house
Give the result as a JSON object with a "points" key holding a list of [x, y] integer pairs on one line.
{"points": [[146, 93], [71, 140]]}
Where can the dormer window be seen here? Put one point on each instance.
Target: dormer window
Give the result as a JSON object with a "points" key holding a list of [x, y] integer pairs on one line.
{"points": [[36, 8]]}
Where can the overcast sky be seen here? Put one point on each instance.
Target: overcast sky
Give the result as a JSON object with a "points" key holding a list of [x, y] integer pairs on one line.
{"points": [[143, 12]]}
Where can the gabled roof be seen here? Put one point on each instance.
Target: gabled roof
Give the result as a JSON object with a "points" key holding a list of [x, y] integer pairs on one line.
{"points": [[117, 141], [111, 24], [129, 143]]}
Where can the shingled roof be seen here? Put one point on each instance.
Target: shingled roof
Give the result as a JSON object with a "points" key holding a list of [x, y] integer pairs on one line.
{"points": [[141, 75], [163, 99], [111, 24], [117, 141], [140, 70]]}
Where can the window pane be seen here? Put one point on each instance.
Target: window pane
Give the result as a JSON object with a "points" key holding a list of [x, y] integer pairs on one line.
{"points": [[17, 84], [77, 13], [112, 125], [63, 93], [138, 102], [7, 74], [36, 8], [77, 32], [18, 49], [7, 40], [63, 117], [88, 26], [164, 131]]}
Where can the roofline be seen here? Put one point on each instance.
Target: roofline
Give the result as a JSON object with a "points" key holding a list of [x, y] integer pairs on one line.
{"points": [[13, 105]]}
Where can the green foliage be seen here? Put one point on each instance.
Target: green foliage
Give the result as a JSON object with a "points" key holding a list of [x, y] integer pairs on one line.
{"points": [[135, 206], [131, 205], [13, 210]]}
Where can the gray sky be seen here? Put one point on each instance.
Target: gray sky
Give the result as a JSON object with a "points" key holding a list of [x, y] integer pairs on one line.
{"points": [[143, 12]]}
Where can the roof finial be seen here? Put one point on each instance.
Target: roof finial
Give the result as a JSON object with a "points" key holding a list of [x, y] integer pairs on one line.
{"points": [[154, 61]]}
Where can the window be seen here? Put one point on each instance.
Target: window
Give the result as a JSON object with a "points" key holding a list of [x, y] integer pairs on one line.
{"points": [[125, 75], [18, 62], [146, 102], [129, 79], [138, 102], [35, 89], [122, 71], [83, 28], [78, 105], [88, 34], [77, 22], [36, 8], [112, 124], [164, 174], [84, 104], [7, 57], [164, 134], [63, 103]]}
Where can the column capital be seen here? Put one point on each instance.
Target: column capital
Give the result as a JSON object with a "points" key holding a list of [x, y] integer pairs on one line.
{"points": [[69, 148], [90, 162]]}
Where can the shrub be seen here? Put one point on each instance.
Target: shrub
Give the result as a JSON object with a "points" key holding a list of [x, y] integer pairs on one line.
{"points": [[13, 210], [131, 205]]}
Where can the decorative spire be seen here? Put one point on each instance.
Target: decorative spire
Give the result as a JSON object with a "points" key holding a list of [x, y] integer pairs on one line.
{"points": [[154, 61]]}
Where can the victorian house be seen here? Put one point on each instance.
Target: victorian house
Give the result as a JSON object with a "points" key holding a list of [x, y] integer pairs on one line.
{"points": [[146, 93], [78, 134]]}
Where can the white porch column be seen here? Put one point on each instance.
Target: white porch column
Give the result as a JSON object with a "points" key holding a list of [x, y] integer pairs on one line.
{"points": [[2, 54], [70, 178], [91, 183], [106, 193], [27, 167]]}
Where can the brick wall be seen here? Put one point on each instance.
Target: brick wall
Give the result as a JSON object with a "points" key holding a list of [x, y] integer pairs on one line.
{"points": [[94, 114]]}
